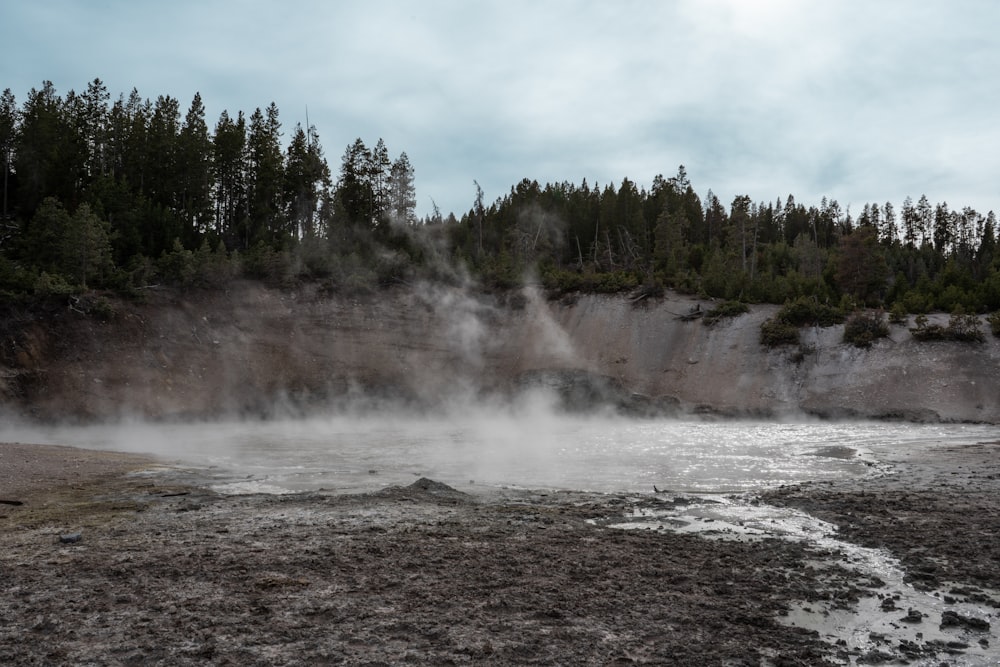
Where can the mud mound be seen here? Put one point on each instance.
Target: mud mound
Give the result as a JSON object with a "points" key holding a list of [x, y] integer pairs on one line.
{"points": [[435, 488], [423, 491]]}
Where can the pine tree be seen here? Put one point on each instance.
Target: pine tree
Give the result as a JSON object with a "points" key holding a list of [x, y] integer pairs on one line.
{"points": [[911, 223], [44, 153], [861, 267], [715, 219], [8, 129], [380, 178], [354, 189], [194, 152], [890, 228], [671, 249], [307, 180], [229, 170], [161, 166], [93, 127], [402, 193], [84, 247], [266, 166], [42, 237], [925, 216], [944, 233]]}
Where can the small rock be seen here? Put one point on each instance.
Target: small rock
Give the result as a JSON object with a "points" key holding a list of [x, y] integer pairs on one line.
{"points": [[913, 616], [70, 538]]}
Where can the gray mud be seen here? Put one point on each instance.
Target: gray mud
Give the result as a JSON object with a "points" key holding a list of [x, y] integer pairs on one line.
{"points": [[166, 572]]}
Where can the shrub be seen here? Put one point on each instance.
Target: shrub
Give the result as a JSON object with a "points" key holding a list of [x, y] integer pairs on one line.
{"points": [[723, 310], [927, 332], [15, 277], [102, 309], [618, 281], [263, 262], [775, 332], [994, 321], [783, 328], [48, 284], [809, 312], [898, 314], [650, 289], [177, 267], [864, 328], [961, 327], [561, 281], [965, 328]]}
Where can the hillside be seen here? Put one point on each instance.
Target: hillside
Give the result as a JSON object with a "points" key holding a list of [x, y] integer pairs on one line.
{"points": [[253, 350]]}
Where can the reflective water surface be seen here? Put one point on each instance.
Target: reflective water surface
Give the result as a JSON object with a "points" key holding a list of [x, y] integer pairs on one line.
{"points": [[521, 448]]}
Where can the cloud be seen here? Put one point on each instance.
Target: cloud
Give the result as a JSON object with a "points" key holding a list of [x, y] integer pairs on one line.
{"points": [[855, 100]]}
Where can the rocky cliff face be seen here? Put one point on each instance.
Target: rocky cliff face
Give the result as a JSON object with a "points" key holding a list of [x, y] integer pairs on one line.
{"points": [[723, 368], [254, 350]]}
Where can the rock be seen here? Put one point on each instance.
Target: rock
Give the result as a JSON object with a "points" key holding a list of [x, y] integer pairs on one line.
{"points": [[70, 538], [913, 616], [951, 618], [875, 657]]}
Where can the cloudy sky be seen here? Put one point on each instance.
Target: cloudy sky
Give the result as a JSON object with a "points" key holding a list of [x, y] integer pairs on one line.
{"points": [[855, 100]]}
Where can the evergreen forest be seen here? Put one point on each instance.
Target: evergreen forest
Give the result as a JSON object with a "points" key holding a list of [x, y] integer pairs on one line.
{"points": [[102, 194]]}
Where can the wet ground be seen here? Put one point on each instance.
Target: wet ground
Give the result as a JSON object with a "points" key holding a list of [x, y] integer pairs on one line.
{"points": [[152, 568], [937, 516]]}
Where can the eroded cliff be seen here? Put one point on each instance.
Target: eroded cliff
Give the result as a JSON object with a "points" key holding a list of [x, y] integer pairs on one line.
{"points": [[257, 350]]}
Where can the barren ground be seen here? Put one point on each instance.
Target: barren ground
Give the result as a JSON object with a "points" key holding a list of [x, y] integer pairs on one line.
{"points": [[166, 572]]}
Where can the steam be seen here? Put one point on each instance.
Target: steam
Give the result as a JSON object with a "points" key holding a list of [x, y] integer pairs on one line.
{"points": [[551, 341], [448, 405], [463, 319], [523, 443]]}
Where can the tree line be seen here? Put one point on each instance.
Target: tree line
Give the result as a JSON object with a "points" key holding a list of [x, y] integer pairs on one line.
{"points": [[108, 194], [925, 257], [124, 194]]}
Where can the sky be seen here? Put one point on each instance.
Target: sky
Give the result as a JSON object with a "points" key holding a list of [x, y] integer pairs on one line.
{"points": [[854, 100]]}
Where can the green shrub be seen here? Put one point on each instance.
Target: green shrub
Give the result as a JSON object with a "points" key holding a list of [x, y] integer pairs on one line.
{"points": [[961, 327], [865, 327], [612, 283], [994, 321], [805, 311], [48, 284], [102, 309], [965, 328], [898, 314], [775, 332], [724, 310], [263, 262], [561, 281], [916, 302], [14, 277], [927, 332]]}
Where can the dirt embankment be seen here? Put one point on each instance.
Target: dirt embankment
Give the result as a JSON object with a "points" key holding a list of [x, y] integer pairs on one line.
{"points": [[252, 349]]}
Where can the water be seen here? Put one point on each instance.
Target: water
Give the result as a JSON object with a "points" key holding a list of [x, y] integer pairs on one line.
{"points": [[516, 447]]}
